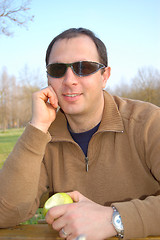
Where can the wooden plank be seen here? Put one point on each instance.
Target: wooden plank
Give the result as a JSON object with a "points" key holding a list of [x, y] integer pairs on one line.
{"points": [[30, 232], [41, 232]]}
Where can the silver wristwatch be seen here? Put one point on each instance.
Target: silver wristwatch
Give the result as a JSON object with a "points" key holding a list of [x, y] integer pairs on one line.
{"points": [[117, 223]]}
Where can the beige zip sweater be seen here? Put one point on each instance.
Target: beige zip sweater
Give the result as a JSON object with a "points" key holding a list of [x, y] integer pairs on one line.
{"points": [[124, 167]]}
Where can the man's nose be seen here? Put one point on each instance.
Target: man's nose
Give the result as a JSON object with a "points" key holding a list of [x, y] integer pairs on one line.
{"points": [[70, 77]]}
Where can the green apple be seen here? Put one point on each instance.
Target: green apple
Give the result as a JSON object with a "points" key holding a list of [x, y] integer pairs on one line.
{"points": [[56, 200]]}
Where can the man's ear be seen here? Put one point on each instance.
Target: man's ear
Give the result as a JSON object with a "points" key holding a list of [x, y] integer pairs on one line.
{"points": [[106, 75]]}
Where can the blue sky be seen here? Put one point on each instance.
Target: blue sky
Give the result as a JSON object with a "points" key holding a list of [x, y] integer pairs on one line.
{"points": [[130, 30]]}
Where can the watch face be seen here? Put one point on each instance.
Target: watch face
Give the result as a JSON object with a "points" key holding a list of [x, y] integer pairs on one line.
{"points": [[118, 222]]}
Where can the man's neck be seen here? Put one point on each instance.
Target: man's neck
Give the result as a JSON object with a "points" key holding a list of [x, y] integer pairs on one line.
{"points": [[83, 123]]}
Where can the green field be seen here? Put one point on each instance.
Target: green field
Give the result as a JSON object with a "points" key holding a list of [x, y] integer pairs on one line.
{"points": [[7, 141]]}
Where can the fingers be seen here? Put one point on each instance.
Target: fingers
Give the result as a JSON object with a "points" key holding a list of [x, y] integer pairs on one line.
{"points": [[61, 211], [55, 213], [65, 233], [71, 220], [57, 217], [52, 97], [48, 94], [44, 105], [81, 217]]}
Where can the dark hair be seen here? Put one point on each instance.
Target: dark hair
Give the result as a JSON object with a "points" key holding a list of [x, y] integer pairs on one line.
{"points": [[74, 32]]}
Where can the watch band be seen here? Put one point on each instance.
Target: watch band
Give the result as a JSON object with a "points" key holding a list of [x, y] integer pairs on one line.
{"points": [[117, 223]]}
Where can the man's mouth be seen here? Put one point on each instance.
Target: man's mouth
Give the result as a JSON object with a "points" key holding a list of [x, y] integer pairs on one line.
{"points": [[72, 95]]}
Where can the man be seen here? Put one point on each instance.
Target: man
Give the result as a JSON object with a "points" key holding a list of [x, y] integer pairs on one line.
{"points": [[102, 150]]}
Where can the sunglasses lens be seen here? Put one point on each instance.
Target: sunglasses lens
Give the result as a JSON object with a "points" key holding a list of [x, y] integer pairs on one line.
{"points": [[85, 68], [56, 70]]}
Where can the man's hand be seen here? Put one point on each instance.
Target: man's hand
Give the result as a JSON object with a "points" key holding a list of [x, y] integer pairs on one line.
{"points": [[83, 217], [44, 105]]}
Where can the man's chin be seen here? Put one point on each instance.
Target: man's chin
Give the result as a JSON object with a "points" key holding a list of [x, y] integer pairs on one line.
{"points": [[72, 112], [71, 109]]}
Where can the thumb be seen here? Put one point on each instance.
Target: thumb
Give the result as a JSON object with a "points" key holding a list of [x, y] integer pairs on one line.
{"points": [[76, 196]]}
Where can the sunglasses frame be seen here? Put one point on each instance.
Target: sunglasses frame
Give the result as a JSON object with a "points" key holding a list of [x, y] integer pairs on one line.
{"points": [[101, 66]]}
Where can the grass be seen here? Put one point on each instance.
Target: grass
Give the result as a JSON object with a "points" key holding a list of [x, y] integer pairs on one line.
{"points": [[34, 220], [7, 141]]}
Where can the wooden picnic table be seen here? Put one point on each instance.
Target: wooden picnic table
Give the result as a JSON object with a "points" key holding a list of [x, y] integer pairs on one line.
{"points": [[39, 232], [30, 232]]}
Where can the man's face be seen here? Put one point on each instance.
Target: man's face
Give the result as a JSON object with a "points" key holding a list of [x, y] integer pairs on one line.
{"points": [[77, 95]]}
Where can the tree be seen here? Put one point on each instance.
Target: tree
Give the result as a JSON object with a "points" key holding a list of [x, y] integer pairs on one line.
{"points": [[29, 82], [145, 86], [4, 100], [11, 14], [16, 97]]}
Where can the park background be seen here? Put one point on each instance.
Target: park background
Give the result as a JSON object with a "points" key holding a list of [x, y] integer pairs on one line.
{"points": [[130, 30]]}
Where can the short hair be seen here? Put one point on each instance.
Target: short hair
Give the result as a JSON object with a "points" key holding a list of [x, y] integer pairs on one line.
{"points": [[74, 32]]}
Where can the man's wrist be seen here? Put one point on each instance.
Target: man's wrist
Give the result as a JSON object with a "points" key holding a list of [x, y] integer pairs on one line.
{"points": [[42, 127]]}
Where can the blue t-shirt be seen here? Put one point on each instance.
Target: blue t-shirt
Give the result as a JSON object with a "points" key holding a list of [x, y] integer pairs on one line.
{"points": [[83, 138]]}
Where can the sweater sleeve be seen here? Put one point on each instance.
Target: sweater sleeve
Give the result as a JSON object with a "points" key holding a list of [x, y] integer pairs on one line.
{"points": [[21, 184], [141, 218]]}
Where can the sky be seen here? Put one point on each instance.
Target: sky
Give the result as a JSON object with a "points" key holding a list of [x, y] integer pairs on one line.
{"points": [[130, 30]]}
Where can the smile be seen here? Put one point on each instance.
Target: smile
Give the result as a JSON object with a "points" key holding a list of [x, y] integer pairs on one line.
{"points": [[71, 95]]}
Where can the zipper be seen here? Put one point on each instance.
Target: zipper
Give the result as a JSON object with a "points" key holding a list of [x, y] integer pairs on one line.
{"points": [[86, 160]]}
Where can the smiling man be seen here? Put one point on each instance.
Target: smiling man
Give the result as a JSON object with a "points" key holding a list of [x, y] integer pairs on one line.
{"points": [[80, 97], [102, 150]]}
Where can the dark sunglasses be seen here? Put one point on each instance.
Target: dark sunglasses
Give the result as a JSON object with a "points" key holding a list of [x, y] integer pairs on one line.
{"points": [[81, 68]]}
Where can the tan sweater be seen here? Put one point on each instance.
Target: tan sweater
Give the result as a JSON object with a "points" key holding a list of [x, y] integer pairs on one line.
{"points": [[124, 167]]}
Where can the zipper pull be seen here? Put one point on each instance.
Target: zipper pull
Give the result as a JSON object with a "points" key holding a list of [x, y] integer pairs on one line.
{"points": [[86, 160]]}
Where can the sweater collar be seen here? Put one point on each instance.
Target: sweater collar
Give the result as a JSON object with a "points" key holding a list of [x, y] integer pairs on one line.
{"points": [[111, 121], [111, 118]]}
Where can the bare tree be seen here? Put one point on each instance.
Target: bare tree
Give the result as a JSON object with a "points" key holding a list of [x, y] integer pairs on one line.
{"points": [[145, 86], [16, 97], [11, 14], [29, 82], [4, 99]]}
